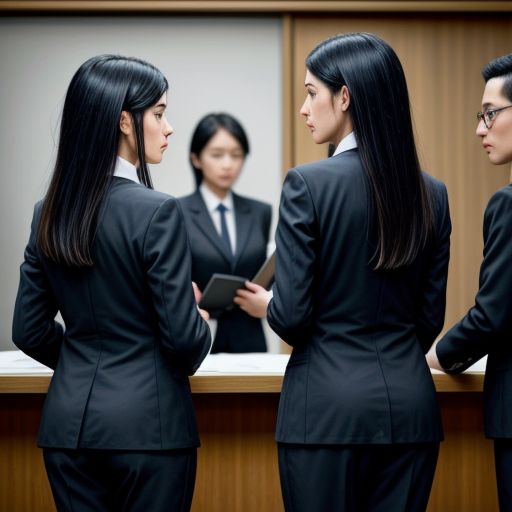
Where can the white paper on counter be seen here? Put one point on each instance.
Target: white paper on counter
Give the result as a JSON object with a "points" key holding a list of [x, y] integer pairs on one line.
{"points": [[15, 362]]}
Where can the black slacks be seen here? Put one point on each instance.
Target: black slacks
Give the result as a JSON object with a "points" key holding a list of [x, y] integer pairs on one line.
{"points": [[357, 478], [117, 481], [503, 462]]}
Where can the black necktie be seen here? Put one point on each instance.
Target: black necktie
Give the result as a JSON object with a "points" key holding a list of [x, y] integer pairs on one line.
{"points": [[224, 233]]}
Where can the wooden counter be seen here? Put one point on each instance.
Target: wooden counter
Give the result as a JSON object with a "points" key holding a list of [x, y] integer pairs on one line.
{"points": [[239, 383], [237, 464]]}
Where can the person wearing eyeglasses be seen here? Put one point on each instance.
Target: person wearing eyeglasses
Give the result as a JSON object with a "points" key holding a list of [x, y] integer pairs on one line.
{"points": [[487, 326]]}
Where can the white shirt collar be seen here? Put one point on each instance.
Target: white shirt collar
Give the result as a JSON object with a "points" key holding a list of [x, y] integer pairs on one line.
{"points": [[348, 142], [125, 169], [212, 200]]}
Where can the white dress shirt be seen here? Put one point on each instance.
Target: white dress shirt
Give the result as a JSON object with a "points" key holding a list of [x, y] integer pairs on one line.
{"points": [[212, 201], [348, 142], [125, 169]]}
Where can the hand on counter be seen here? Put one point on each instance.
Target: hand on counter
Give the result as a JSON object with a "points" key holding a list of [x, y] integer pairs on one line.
{"points": [[432, 359], [253, 299]]}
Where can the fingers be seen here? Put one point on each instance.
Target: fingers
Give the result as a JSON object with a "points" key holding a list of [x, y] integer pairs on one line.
{"points": [[246, 294], [241, 301], [205, 315], [253, 287], [197, 292]]}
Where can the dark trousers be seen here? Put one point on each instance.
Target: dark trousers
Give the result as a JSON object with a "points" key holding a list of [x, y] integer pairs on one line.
{"points": [[107, 480], [357, 478], [503, 462]]}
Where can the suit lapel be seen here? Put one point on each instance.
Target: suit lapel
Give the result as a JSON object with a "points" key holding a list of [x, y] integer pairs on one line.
{"points": [[204, 223], [243, 221]]}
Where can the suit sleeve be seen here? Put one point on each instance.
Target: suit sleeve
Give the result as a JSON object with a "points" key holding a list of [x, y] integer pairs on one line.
{"points": [[433, 300], [491, 316], [34, 329], [183, 333], [268, 222], [290, 311]]}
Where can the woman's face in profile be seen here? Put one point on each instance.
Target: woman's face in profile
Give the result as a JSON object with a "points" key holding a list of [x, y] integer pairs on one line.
{"points": [[156, 131], [324, 114], [221, 161]]}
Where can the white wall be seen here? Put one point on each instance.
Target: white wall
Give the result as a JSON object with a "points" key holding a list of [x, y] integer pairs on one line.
{"points": [[231, 64]]}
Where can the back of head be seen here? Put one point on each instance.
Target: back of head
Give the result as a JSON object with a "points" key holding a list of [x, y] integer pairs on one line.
{"points": [[401, 211], [500, 67], [207, 127], [100, 90]]}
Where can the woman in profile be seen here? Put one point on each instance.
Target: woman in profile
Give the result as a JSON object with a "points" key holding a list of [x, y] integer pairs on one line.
{"points": [[110, 254], [361, 267], [228, 233]]}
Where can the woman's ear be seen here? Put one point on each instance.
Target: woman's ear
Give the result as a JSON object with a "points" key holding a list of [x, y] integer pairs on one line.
{"points": [[125, 123], [195, 160], [344, 96]]}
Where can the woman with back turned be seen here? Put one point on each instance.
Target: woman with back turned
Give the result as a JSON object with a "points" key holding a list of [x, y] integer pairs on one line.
{"points": [[362, 259], [118, 429]]}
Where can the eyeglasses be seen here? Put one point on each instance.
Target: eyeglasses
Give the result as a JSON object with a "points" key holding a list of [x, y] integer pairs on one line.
{"points": [[489, 116]]}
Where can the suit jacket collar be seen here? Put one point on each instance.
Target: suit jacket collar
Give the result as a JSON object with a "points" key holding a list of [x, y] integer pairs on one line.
{"points": [[243, 213], [204, 223]]}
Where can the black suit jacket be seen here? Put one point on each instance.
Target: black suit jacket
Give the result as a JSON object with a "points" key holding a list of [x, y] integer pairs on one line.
{"points": [[133, 332], [357, 373], [487, 327], [236, 330]]}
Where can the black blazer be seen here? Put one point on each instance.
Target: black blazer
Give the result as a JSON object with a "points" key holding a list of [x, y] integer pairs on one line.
{"points": [[487, 327], [236, 330], [133, 332], [357, 373]]}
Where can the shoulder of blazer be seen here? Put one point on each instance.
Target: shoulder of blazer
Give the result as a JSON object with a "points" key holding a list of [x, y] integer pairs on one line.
{"points": [[433, 183], [193, 202], [37, 209], [138, 195], [346, 163], [152, 199], [498, 214], [503, 196], [246, 203], [438, 191]]}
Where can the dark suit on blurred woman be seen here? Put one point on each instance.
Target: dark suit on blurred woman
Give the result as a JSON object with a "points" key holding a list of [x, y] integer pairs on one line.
{"points": [[358, 394], [236, 330], [120, 393]]}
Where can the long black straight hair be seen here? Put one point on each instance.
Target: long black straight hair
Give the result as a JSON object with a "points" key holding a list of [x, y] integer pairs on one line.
{"points": [[100, 90], [401, 206]]}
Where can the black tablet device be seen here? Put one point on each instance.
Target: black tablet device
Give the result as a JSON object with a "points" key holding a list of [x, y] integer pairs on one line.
{"points": [[220, 292]]}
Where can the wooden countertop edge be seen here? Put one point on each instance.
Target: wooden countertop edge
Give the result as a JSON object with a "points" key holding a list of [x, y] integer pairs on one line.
{"points": [[239, 383]]}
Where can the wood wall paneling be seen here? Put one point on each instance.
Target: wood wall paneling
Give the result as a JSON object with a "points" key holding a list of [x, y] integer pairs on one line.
{"points": [[237, 462], [442, 57], [24, 486], [465, 478]]}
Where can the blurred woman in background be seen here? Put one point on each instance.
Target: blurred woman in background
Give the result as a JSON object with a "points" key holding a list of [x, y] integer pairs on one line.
{"points": [[228, 233]]}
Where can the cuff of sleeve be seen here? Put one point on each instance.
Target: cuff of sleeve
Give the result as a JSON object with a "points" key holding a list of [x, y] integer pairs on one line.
{"points": [[452, 365]]}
